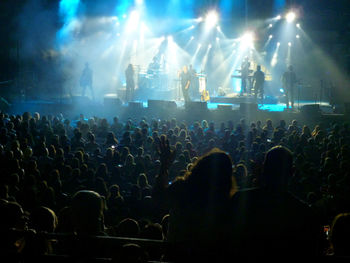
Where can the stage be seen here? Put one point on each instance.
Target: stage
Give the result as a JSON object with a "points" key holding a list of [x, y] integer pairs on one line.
{"points": [[218, 109]]}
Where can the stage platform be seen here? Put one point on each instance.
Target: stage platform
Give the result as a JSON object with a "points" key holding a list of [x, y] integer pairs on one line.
{"points": [[217, 109]]}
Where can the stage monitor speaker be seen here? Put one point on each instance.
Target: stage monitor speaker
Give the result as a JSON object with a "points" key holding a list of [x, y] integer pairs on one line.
{"points": [[310, 109], [112, 102], [224, 107], [160, 105], [81, 100], [135, 105], [248, 107], [196, 106]]}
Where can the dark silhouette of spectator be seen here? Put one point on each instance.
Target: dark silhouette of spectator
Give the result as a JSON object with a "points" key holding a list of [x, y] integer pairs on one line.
{"points": [[270, 221], [127, 228], [199, 201], [339, 236], [87, 213]]}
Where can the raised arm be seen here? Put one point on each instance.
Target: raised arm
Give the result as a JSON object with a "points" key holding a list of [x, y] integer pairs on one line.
{"points": [[167, 156]]}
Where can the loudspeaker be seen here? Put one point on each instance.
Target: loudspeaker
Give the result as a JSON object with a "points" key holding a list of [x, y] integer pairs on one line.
{"points": [[159, 105], [248, 107], [80, 100], [112, 102], [135, 105], [224, 107], [196, 105], [310, 109]]}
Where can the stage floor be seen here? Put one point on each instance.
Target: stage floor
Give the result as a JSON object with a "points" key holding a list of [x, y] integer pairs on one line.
{"points": [[325, 107]]}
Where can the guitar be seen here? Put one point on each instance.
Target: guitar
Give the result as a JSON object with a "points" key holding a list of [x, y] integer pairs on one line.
{"points": [[187, 85], [205, 95]]}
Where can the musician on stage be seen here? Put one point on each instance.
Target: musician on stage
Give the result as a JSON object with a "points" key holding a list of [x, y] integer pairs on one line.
{"points": [[289, 80], [86, 80], [258, 83], [130, 83], [185, 78], [194, 87], [244, 76]]}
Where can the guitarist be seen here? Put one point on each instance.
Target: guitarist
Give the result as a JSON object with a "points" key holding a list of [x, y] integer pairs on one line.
{"points": [[185, 77]]}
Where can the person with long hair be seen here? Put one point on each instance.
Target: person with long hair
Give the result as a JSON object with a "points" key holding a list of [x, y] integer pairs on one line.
{"points": [[198, 202]]}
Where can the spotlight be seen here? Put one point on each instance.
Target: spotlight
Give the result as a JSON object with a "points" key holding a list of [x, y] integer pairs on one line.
{"points": [[199, 19], [297, 36], [290, 17], [199, 45], [278, 44], [270, 25], [192, 37], [278, 17], [270, 36], [218, 28], [209, 47], [247, 39], [282, 90], [217, 39], [211, 19], [298, 25], [133, 21], [191, 27], [289, 44]]}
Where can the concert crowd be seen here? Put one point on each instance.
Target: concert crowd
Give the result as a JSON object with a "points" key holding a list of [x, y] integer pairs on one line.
{"points": [[201, 190]]}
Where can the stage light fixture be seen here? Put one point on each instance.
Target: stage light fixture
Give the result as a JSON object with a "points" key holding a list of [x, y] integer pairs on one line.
{"points": [[278, 17], [270, 36], [211, 19], [297, 36], [282, 90], [278, 44], [247, 39], [270, 25], [289, 44], [290, 17], [133, 21], [298, 25]]}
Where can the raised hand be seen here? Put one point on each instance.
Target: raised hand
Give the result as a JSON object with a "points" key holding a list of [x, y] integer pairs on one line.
{"points": [[166, 154]]}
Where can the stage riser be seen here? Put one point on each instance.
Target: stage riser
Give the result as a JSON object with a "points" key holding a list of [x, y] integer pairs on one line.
{"points": [[137, 111], [239, 100]]}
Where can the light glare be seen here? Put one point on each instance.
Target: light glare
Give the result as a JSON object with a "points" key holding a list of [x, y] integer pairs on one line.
{"points": [[211, 19], [290, 17]]}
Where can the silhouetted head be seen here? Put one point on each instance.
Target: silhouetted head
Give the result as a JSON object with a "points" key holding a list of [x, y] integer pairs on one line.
{"points": [[278, 168], [210, 179], [340, 234], [43, 219], [87, 212]]}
